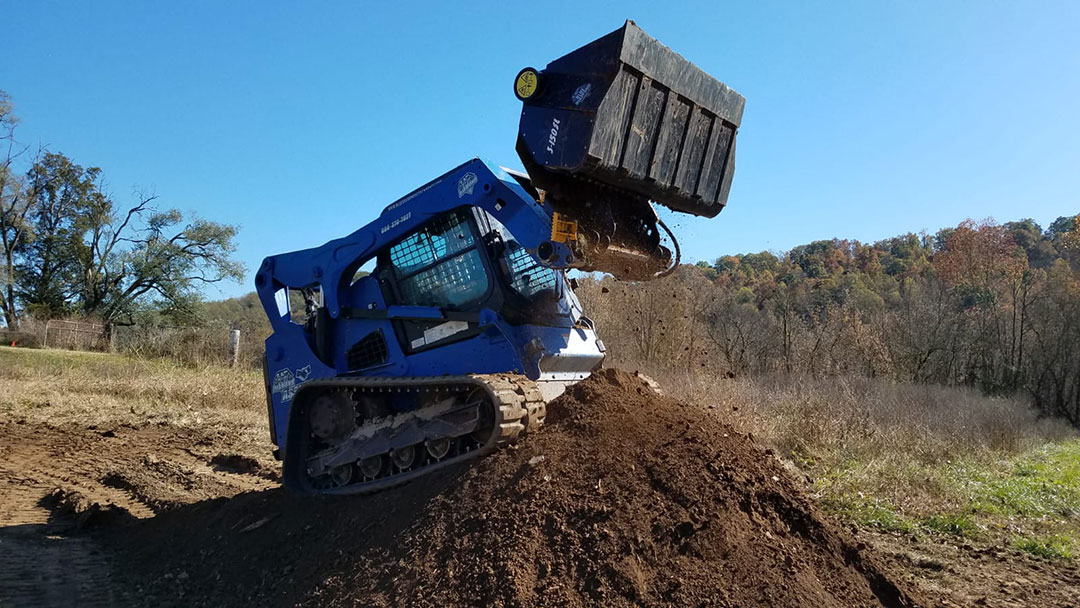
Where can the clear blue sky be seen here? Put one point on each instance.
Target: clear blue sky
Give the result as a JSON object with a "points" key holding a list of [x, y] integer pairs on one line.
{"points": [[299, 121]]}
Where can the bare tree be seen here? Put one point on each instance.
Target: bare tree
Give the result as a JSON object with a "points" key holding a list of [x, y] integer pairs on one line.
{"points": [[14, 207]]}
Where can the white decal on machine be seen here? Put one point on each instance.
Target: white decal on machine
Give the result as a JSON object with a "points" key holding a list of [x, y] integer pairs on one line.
{"points": [[288, 394], [286, 382], [444, 330], [581, 94], [466, 183], [394, 224], [283, 379], [553, 136]]}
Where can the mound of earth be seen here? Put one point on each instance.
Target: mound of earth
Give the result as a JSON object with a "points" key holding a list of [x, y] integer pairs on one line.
{"points": [[624, 498]]}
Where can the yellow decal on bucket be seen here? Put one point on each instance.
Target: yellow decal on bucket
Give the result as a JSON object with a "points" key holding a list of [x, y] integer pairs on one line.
{"points": [[526, 84]]}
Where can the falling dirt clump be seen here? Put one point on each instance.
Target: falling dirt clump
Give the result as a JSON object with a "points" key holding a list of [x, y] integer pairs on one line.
{"points": [[624, 498], [246, 465], [74, 507]]}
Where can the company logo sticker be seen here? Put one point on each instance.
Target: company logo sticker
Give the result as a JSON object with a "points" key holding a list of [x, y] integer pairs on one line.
{"points": [[466, 184], [581, 94], [287, 383]]}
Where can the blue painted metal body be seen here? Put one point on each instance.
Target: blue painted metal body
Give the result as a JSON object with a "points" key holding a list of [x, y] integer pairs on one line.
{"points": [[564, 347]]}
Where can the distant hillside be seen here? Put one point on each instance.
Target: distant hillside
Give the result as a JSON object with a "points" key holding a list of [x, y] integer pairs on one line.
{"points": [[985, 305], [244, 313]]}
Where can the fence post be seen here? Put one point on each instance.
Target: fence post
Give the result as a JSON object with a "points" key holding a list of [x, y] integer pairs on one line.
{"points": [[234, 346], [45, 340]]}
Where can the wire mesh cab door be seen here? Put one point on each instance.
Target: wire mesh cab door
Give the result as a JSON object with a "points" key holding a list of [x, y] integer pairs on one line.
{"points": [[443, 266]]}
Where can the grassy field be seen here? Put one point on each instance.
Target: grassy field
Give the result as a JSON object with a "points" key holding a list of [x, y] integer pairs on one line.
{"points": [[915, 460], [918, 461], [61, 387]]}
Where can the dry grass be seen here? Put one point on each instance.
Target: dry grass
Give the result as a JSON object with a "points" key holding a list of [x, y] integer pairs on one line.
{"points": [[864, 417], [917, 459], [96, 389], [198, 347], [194, 346]]}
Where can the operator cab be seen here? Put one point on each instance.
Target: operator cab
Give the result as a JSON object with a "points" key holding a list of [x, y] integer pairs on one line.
{"points": [[464, 261]]}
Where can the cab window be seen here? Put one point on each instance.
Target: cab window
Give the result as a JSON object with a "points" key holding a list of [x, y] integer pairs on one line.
{"points": [[440, 264]]}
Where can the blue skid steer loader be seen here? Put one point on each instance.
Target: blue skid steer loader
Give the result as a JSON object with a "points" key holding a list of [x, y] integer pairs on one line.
{"points": [[468, 325]]}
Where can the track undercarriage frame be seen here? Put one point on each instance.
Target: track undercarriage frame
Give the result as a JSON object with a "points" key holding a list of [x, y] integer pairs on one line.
{"points": [[354, 443]]}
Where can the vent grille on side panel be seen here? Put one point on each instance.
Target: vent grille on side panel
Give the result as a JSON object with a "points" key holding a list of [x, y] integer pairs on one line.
{"points": [[368, 351]]}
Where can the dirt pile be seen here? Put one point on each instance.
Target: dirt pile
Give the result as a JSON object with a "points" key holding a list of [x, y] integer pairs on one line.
{"points": [[624, 498]]}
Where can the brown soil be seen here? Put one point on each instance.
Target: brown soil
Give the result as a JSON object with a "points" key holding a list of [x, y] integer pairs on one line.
{"points": [[625, 498], [980, 576], [60, 487]]}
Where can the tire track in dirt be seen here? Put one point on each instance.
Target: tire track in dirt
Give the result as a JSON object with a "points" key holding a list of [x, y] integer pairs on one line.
{"points": [[57, 482], [40, 566]]}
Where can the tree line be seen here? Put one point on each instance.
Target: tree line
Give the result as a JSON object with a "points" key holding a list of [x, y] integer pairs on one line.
{"points": [[994, 306], [70, 248]]}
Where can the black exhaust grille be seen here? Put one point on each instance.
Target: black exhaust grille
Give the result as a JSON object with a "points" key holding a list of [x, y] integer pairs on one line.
{"points": [[368, 351]]}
